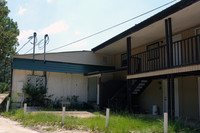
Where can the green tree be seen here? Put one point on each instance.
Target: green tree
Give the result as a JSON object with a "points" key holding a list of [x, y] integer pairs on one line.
{"points": [[8, 41]]}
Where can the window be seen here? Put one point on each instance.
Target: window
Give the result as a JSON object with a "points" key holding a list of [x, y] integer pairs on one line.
{"points": [[123, 59], [197, 31], [152, 52]]}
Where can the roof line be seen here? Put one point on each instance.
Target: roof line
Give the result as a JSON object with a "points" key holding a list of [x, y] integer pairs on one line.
{"points": [[159, 16], [59, 62]]}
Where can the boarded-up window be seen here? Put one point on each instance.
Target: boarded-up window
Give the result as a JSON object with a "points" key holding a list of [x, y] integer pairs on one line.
{"points": [[198, 31], [124, 59], [152, 51]]}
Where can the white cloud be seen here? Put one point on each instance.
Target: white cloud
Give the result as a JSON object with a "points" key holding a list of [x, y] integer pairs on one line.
{"points": [[24, 34], [21, 11], [58, 26], [77, 33], [48, 1], [81, 43]]}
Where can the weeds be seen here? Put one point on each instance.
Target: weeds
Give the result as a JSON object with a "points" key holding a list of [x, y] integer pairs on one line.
{"points": [[119, 122]]}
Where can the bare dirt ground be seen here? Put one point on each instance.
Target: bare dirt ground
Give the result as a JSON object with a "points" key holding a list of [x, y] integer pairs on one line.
{"points": [[9, 126], [80, 114]]}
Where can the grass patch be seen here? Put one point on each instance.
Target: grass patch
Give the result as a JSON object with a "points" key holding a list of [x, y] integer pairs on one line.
{"points": [[118, 123]]}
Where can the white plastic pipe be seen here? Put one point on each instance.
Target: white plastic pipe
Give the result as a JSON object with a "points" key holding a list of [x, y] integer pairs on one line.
{"points": [[25, 108], [7, 106], [63, 115], [165, 122], [107, 116]]}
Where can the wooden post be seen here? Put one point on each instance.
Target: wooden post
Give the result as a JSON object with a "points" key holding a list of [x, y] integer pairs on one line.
{"points": [[165, 122], [107, 116], [7, 106], [25, 107], [63, 115]]}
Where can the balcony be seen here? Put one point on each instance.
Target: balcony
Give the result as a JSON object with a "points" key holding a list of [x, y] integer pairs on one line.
{"points": [[184, 52]]}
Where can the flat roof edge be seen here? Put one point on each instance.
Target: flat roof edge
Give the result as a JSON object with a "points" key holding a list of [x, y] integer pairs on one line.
{"points": [[159, 16]]}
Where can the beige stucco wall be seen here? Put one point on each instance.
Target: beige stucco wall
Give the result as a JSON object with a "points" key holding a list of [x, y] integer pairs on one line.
{"points": [[152, 95], [58, 84], [185, 34], [188, 97], [82, 57]]}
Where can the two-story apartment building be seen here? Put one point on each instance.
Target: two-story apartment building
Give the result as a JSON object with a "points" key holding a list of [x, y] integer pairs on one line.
{"points": [[163, 56], [156, 62]]}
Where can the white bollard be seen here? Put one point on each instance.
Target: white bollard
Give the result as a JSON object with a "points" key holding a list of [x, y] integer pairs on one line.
{"points": [[7, 106], [107, 116], [25, 108], [63, 115], [165, 122]]}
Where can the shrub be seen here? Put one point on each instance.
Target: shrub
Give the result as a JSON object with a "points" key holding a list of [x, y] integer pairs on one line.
{"points": [[4, 87], [36, 96]]}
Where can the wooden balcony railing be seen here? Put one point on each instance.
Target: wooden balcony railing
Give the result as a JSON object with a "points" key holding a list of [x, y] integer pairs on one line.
{"points": [[184, 52]]}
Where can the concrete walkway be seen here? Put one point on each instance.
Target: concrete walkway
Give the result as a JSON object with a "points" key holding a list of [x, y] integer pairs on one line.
{"points": [[9, 126]]}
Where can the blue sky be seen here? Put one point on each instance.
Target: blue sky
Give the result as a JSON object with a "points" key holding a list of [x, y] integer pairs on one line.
{"points": [[66, 21]]}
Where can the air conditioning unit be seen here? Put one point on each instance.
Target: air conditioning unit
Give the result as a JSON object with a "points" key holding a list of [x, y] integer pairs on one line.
{"points": [[37, 81]]}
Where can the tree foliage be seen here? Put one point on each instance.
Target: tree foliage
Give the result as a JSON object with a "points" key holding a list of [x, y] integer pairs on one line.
{"points": [[8, 41]]}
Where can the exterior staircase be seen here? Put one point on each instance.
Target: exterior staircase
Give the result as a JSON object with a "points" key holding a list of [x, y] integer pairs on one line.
{"points": [[119, 100], [138, 86]]}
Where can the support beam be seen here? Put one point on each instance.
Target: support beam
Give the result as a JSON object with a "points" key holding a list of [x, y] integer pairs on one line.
{"points": [[167, 41], [170, 42], [129, 55], [172, 97], [129, 95], [171, 105], [169, 95]]}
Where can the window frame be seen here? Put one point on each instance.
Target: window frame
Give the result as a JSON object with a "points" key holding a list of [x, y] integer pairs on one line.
{"points": [[195, 30], [150, 51], [124, 59]]}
